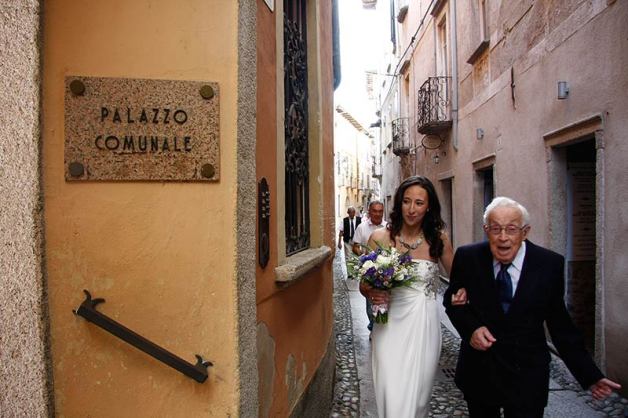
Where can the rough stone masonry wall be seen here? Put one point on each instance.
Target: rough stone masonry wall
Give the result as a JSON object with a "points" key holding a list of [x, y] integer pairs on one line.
{"points": [[24, 380]]}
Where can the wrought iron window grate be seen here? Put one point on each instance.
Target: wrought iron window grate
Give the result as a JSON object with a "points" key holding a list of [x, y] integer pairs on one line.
{"points": [[296, 122]]}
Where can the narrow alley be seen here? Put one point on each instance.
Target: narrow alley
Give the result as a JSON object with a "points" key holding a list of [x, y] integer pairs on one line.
{"points": [[354, 395]]}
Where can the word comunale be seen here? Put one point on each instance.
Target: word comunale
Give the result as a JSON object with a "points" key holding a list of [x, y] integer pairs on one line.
{"points": [[143, 143]]}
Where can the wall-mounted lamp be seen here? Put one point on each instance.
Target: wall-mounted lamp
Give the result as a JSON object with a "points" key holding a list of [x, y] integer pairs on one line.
{"points": [[436, 159], [479, 133], [563, 90]]}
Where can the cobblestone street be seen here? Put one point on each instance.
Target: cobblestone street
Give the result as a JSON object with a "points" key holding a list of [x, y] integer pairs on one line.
{"points": [[353, 393]]}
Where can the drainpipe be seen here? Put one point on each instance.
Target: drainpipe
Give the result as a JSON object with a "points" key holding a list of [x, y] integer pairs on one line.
{"points": [[454, 75]]}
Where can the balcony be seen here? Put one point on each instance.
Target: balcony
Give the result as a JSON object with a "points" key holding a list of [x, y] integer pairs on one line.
{"points": [[400, 137], [434, 111]]}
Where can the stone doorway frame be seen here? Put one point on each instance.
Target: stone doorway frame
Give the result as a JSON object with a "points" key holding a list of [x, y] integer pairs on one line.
{"points": [[587, 128]]}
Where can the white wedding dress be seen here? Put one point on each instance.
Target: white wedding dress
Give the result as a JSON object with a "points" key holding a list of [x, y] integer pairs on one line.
{"points": [[405, 351]]}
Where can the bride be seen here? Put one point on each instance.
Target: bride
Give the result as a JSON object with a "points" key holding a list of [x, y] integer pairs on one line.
{"points": [[405, 351]]}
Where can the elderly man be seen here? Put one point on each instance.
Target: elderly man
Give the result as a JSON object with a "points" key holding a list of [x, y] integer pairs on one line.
{"points": [[513, 288], [374, 221]]}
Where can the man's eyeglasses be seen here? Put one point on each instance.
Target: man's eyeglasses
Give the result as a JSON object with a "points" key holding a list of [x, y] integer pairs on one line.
{"points": [[510, 229]]}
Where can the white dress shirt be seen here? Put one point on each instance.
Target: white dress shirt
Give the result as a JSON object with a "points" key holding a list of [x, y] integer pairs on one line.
{"points": [[364, 230]]}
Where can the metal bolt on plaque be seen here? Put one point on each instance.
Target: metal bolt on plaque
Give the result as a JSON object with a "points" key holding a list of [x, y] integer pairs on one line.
{"points": [[207, 171], [76, 169], [77, 88], [207, 92]]}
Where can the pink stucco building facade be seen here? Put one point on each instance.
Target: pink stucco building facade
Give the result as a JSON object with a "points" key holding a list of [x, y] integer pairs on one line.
{"points": [[528, 100]]}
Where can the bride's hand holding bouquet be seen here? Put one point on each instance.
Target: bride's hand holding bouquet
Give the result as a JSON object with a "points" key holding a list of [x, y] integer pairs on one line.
{"points": [[379, 271]]}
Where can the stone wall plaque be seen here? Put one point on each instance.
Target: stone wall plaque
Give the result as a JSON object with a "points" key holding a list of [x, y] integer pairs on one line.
{"points": [[120, 129]]}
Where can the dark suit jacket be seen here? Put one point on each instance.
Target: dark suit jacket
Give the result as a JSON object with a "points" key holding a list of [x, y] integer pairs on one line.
{"points": [[515, 370], [346, 228]]}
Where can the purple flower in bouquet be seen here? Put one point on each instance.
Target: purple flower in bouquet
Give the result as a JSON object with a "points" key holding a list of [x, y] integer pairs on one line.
{"points": [[383, 269]]}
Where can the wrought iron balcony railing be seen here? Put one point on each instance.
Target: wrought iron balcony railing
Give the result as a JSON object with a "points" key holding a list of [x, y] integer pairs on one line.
{"points": [[434, 107], [400, 137]]}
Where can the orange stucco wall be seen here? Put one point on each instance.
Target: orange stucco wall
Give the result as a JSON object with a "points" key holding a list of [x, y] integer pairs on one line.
{"points": [[162, 254], [298, 318]]}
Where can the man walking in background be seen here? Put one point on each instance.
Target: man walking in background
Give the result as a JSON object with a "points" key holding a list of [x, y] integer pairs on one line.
{"points": [[349, 225], [374, 221]]}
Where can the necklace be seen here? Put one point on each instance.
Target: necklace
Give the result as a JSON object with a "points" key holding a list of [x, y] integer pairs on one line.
{"points": [[414, 246]]}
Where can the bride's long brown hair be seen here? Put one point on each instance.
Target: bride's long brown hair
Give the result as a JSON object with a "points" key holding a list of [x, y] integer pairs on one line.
{"points": [[432, 225]]}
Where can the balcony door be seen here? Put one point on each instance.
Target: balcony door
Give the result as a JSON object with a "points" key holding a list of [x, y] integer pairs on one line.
{"points": [[442, 66], [442, 60]]}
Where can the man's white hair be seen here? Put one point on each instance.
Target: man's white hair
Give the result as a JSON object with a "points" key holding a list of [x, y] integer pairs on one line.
{"points": [[375, 202], [506, 202]]}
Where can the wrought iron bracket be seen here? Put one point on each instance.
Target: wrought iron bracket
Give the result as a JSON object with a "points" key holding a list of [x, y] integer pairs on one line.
{"points": [[88, 311], [425, 141]]}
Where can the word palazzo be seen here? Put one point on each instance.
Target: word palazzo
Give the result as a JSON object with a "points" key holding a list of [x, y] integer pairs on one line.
{"points": [[151, 115]]}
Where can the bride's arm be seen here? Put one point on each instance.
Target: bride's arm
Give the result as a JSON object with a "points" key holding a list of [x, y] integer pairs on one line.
{"points": [[448, 253], [379, 236], [446, 259]]}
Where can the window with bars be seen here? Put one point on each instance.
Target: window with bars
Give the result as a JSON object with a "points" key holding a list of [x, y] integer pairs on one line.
{"points": [[296, 127]]}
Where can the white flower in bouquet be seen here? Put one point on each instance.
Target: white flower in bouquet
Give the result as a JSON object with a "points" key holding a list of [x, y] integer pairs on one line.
{"points": [[382, 261], [384, 268]]}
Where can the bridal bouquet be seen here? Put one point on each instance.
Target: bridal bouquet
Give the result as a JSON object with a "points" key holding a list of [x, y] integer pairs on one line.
{"points": [[383, 269]]}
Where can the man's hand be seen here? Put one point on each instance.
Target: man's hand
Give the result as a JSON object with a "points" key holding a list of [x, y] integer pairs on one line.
{"points": [[460, 298], [482, 339], [603, 388]]}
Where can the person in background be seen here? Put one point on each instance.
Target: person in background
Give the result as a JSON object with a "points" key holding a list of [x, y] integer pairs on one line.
{"points": [[349, 225], [515, 289], [361, 214], [375, 220]]}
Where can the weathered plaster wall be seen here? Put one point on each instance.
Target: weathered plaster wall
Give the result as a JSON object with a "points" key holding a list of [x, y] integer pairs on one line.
{"points": [[163, 255], [266, 365], [514, 131], [295, 323], [24, 380]]}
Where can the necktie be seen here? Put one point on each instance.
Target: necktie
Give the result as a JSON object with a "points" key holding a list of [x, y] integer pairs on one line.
{"points": [[352, 229], [504, 287]]}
